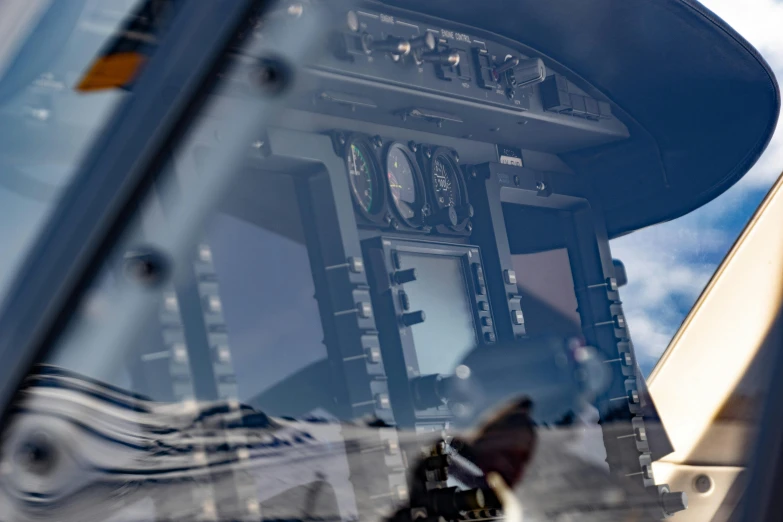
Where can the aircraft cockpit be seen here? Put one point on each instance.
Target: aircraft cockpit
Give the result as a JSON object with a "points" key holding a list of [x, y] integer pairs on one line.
{"points": [[371, 277]]}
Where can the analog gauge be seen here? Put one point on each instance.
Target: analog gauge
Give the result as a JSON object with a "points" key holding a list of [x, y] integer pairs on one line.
{"points": [[403, 182], [364, 177], [445, 183]]}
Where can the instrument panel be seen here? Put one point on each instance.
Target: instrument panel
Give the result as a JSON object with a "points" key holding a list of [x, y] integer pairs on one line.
{"points": [[392, 67], [406, 186]]}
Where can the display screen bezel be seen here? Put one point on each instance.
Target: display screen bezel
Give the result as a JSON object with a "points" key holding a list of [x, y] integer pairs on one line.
{"points": [[469, 256]]}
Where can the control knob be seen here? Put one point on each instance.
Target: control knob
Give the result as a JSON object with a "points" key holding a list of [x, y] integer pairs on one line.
{"points": [[413, 318], [445, 216], [464, 212]]}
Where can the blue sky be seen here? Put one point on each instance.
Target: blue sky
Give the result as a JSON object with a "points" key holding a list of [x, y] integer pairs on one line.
{"points": [[669, 264]]}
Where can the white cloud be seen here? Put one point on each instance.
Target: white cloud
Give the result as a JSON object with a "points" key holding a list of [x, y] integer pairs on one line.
{"points": [[669, 264], [759, 22]]}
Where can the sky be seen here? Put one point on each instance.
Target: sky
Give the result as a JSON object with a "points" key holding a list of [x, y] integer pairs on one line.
{"points": [[668, 265]]}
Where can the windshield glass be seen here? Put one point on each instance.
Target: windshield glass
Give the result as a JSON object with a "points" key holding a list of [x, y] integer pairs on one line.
{"points": [[379, 278], [57, 59]]}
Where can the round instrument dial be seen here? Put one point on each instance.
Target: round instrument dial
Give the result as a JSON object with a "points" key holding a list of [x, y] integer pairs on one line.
{"points": [[405, 190], [445, 183], [363, 177]]}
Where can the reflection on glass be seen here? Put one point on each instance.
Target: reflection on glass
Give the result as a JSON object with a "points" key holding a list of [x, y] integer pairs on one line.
{"points": [[283, 371], [47, 122]]}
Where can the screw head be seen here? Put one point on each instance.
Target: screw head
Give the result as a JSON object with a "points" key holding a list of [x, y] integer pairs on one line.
{"points": [[540, 186], [413, 146], [702, 484]]}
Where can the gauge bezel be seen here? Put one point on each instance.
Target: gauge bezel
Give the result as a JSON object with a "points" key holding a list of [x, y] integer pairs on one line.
{"points": [[377, 212], [449, 157], [417, 221]]}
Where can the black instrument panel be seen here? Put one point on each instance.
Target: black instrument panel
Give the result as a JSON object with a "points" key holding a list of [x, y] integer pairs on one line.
{"points": [[407, 187], [432, 307], [387, 66]]}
